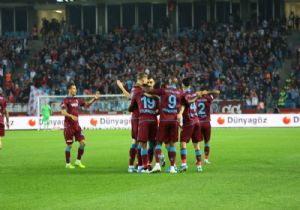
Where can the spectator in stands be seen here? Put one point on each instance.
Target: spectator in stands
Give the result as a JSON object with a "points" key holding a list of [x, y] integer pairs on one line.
{"points": [[239, 63]]}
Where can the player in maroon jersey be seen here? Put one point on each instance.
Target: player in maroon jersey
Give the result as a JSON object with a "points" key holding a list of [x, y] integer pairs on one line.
{"points": [[168, 127], [151, 142], [3, 113], [191, 125], [134, 149], [70, 109], [147, 128], [203, 107]]}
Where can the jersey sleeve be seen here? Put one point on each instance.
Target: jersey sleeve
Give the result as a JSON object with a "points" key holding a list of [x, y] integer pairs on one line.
{"points": [[133, 92], [210, 98], [64, 104], [133, 103], [81, 102]]}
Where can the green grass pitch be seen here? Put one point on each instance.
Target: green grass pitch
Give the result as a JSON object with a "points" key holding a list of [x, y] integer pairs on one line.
{"points": [[251, 169]]}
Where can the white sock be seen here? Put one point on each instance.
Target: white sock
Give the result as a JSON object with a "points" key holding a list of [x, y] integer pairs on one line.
{"points": [[78, 161], [183, 164]]}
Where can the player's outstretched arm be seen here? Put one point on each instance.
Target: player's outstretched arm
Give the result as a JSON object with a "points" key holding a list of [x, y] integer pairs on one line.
{"points": [[151, 96], [96, 97], [215, 92], [124, 91], [202, 93], [192, 100], [152, 93]]}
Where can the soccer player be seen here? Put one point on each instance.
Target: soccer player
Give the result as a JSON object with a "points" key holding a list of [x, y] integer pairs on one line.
{"points": [[134, 149], [191, 125], [70, 109], [46, 112], [147, 127], [151, 142], [168, 126], [203, 107], [3, 112]]}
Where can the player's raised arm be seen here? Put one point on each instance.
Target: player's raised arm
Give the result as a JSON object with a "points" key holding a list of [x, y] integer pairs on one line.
{"points": [[124, 91], [90, 102], [192, 100], [199, 94], [152, 93], [202, 93], [214, 92]]}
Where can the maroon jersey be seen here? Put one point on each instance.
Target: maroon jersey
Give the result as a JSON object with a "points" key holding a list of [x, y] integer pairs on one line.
{"points": [[135, 91], [146, 106], [170, 102], [2, 108], [72, 104], [190, 115], [203, 107]]}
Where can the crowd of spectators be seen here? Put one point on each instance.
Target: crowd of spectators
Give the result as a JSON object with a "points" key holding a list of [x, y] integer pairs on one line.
{"points": [[242, 63], [290, 95], [13, 50]]}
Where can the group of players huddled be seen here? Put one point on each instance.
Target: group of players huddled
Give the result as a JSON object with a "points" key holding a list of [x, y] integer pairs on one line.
{"points": [[177, 108]]}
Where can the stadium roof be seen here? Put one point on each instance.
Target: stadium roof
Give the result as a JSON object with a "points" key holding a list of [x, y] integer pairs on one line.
{"points": [[77, 1]]}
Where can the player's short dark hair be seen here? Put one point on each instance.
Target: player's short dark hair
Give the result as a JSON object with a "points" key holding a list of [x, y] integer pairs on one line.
{"points": [[141, 76], [186, 81], [70, 84]]}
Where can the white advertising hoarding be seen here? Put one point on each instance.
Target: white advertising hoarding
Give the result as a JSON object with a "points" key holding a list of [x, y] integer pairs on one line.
{"points": [[123, 121], [255, 120]]}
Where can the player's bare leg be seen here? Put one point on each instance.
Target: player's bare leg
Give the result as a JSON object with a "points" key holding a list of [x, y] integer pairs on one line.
{"points": [[162, 157], [144, 154], [206, 151], [157, 155], [139, 157], [198, 156], [151, 147], [183, 153], [82, 144], [68, 156], [132, 154], [172, 157]]}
